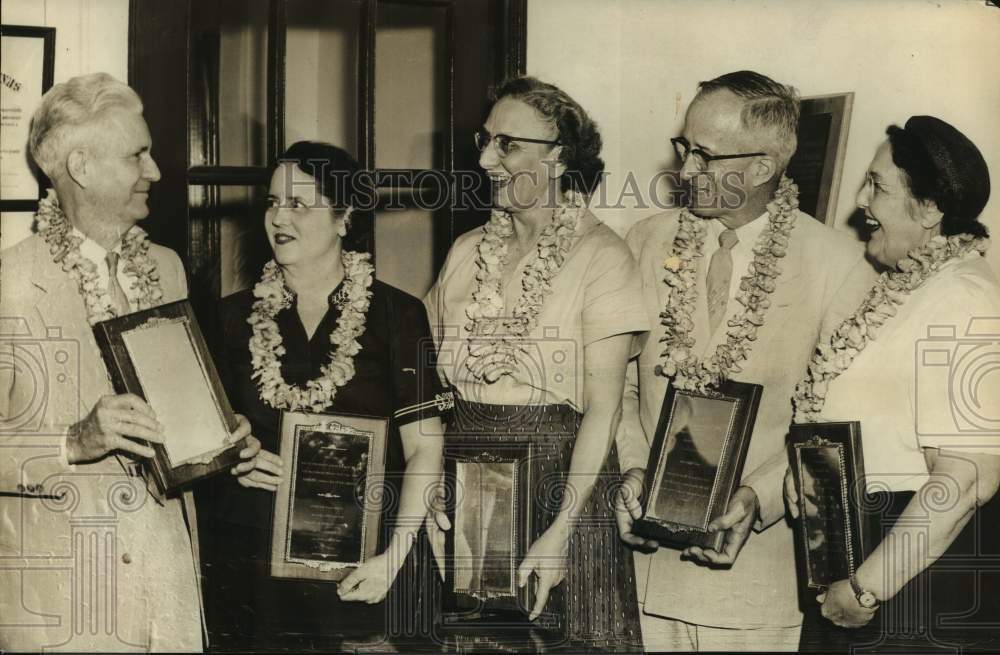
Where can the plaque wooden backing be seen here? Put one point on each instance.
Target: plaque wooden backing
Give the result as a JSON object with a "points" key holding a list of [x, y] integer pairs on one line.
{"points": [[375, 429], [464, 610], [169, 476], [745, 398], [856, 523]]}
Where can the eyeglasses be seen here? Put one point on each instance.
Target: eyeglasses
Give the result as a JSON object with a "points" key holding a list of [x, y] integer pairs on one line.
{"points": [[683, 148], [502, 141]]}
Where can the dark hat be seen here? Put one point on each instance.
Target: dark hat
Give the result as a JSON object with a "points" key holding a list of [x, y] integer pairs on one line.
{"points": [[961, 175]]}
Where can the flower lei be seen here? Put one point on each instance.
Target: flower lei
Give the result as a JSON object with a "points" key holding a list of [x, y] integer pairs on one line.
{"points": [[687, 371], [492, 342], [882, 303], [64, 247], [265, 343]]}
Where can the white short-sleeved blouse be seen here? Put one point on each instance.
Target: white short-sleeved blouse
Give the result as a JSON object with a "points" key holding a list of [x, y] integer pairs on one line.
{"points": [[929, 380], [596, 294]]}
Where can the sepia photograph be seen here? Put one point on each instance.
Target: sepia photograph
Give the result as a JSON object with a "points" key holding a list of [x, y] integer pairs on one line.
{"points": [[499, 326]]}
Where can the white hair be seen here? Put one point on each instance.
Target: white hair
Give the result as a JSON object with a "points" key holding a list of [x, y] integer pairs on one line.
{"points": [[68, 112]]}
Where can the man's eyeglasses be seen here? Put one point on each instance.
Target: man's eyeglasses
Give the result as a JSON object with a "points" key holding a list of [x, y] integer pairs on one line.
{"points": [[502, 141], [701, 158]]}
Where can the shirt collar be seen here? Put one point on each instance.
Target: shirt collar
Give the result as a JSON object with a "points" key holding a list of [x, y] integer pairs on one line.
{"points": [[746, 233], [92, 250]]}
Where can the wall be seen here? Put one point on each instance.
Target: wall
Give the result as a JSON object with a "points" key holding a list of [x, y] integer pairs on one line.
{"points": [[635, 64], [91, 35]]}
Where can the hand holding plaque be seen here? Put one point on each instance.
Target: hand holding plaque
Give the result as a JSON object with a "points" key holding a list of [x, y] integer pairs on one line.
{"points": [[159, 355], [327, 509], [824, 489], [696, 463]]}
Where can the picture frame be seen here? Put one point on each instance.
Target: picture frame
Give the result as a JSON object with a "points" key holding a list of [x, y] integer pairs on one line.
{"points": [[696, 462], [327, 510], [833, 534], [160, 355], [27, 64], [489, 499], [818, 163]]}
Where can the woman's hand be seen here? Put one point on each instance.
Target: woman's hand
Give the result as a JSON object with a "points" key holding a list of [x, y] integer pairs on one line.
{"points": [[370, 582], [547, 558], [840, 606], [436, 524]]}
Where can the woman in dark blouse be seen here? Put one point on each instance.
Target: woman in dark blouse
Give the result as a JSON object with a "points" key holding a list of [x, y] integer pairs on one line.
{"points": [[318, 333]]}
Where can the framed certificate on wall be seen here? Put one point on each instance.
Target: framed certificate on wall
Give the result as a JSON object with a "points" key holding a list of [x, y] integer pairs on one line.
{"points": [[27, 60]]}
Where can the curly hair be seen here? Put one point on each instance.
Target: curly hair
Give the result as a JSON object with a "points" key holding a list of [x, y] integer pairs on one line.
{"points": [[577, 133], [941, 165]]}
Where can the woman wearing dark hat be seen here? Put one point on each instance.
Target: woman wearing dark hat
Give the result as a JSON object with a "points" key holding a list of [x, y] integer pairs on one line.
{"points": [[907, 366], [318, 333]]}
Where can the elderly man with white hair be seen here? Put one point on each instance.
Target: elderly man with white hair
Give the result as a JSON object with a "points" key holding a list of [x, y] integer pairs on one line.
{"points": [[89, 560]]}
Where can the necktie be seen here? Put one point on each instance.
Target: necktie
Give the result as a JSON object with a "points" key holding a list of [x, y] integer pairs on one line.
{"points": [[720, 272], [115, 290], [121, 305]]}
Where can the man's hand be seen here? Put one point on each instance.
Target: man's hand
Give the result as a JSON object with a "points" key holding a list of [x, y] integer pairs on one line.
{"points": [[628, 509], [736, 523], [840, 606], [112, 425], [259, 469], [791, 495]]}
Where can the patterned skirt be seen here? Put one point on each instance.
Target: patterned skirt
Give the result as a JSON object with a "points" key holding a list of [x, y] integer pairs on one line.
{"points": [[596, 604]]}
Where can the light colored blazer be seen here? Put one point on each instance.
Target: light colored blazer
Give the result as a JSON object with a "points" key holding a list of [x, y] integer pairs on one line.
{"points": [[103, 567], [824, 276]]}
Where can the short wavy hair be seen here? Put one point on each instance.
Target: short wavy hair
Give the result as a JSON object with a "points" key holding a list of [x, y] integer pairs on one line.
{"points": [[577, 132], [769, 107], [67, 112]]}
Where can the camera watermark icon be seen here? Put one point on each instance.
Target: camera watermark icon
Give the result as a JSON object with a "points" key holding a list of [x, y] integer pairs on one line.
{"points": [[958, 380], [546, 370], [44, 367]]}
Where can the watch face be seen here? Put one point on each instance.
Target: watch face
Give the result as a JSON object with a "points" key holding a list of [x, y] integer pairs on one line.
{"points": [[867, 599]]}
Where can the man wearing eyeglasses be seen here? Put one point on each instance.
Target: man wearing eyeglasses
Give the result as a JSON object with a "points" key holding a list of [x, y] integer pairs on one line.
{"points": [[739, 134]]}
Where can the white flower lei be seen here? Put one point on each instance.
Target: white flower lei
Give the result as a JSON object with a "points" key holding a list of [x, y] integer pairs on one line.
{"points": [[853, 335], [687, 371], [265, 344], [492, 341], [64, 246]]}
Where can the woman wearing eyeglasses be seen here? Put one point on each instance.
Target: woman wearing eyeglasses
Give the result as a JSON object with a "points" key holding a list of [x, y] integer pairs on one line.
{"points": [[535, 315]]}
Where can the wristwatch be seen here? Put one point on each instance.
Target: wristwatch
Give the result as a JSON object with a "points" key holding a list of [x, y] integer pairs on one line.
{"points": [[865, 598]]}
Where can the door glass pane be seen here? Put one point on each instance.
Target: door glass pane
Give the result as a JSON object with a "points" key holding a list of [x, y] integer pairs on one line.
{"points": [[321, 72], [404, 249], [411, 85], [228, 101], [243, 246]]}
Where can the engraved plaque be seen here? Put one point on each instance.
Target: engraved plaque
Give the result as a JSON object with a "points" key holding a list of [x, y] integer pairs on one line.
{"points": [[326, 518], [696, 462]]}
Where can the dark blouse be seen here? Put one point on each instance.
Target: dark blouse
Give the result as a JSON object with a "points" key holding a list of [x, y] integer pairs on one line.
{"points": [[394, 378], [394, 375]]}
